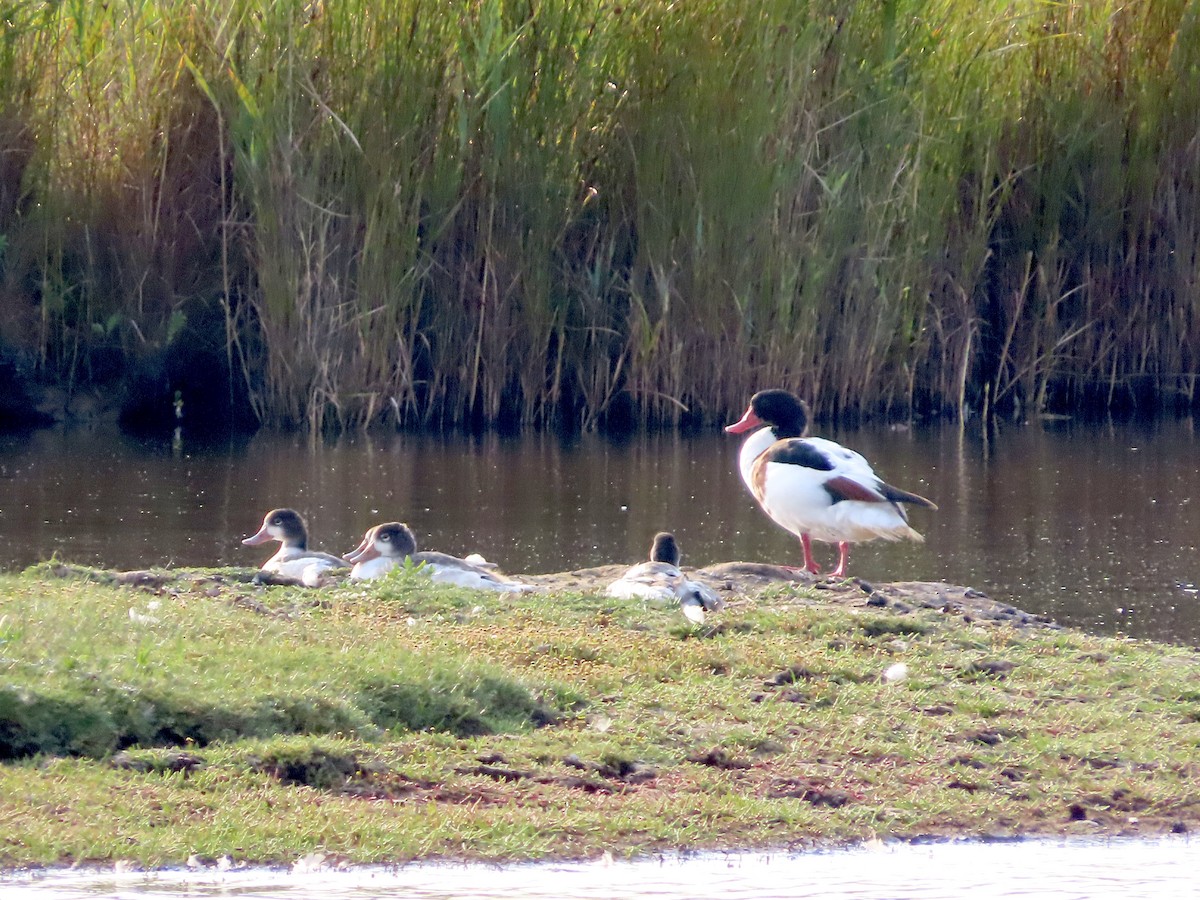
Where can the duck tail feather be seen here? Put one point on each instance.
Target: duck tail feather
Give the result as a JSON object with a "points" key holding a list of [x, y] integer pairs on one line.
{"points": [[897, 495]]}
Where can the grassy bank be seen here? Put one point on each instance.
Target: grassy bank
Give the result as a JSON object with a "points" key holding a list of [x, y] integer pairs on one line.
{"points": [[197, 715], [583, 212]]}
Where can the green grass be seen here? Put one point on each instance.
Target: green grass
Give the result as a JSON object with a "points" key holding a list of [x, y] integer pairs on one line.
{"points": [[156, 674], [426, 214], [395, 721]]}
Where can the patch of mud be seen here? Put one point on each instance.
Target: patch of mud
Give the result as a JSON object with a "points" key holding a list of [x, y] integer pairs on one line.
{"points": [[743, 581], [734, 582]]}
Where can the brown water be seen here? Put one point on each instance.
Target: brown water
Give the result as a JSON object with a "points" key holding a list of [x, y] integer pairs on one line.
{"points": [[1095, 526]]}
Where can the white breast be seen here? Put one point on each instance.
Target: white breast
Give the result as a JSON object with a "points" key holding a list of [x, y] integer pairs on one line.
{"points": [[372, 568]]}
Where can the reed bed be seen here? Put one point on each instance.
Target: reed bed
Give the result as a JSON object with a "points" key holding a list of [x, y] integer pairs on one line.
{"points": [[586, 213]]}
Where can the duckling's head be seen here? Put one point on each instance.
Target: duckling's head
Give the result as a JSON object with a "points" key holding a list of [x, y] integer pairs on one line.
{"points": [[283, 525], [393, 540], [665, 549]]}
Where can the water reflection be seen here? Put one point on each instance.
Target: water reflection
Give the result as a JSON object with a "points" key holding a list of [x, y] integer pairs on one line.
{"points": [[1092, 525], [1125, 869]]}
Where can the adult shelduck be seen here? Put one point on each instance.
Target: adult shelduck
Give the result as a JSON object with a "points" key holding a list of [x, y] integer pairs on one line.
{"points": [[386, 546], [293, 559], [813, 487], [660, 579]]}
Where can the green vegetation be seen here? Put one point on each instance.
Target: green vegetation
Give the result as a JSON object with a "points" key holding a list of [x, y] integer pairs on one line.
{"points": [[157, 676], [584, 211], [197, 715]]}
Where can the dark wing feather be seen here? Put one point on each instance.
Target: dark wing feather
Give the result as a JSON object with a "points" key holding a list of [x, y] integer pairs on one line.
{"points": [[797, 452]]}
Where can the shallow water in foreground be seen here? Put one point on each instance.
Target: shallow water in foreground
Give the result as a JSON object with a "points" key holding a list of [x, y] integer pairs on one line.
{"points": [[1077, 868], [1092, 525]]}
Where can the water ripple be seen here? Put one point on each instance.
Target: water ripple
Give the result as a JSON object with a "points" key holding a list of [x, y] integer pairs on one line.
{"points": [[1127, 869]]}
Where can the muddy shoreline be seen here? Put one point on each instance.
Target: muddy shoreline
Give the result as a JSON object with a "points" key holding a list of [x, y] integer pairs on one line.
{"points": [[735, 582]]}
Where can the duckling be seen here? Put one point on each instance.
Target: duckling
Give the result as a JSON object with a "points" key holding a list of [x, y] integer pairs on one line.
{"points": [[293, 559], [386, 546], [661, 580]]}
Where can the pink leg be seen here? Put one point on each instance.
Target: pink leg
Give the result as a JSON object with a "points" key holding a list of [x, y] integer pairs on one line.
{"points": [[809, 562], [843, 558]]}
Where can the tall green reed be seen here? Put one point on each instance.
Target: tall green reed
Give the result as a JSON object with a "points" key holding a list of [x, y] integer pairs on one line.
{"points": [[584, 213]]}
